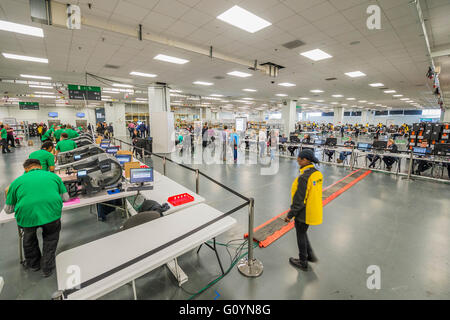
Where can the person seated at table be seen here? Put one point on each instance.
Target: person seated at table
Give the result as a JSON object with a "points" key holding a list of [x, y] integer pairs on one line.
{"points": [[307, 140], [329, 152], [45, 156], [343, 155], [423, 166], [373, 158], [37, 198], [388, 160], [65, 144]]}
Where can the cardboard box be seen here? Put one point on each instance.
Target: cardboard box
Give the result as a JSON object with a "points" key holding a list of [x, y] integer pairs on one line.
{"points": [[131, 165]]}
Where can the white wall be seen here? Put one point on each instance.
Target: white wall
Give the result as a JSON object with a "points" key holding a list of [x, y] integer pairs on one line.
{"points": [[66, 115]]}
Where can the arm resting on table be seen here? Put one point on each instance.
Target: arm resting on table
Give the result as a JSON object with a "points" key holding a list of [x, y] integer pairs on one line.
{"points": [[65, 197]]}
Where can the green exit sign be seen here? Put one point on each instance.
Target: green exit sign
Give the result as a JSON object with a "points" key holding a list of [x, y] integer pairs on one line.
{"points": [[23, 105]]}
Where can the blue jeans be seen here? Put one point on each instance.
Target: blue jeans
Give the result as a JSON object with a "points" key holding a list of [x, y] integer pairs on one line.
{"points": [[344, 155]]}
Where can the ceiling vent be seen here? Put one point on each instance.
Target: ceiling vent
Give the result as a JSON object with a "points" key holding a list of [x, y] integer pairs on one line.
{"points": [[293, 44], [354, 43], [111, 66], [219, 77], [330, 79]]}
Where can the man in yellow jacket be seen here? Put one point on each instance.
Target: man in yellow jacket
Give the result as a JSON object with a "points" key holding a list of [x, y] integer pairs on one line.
{"points": [[306, 207]]}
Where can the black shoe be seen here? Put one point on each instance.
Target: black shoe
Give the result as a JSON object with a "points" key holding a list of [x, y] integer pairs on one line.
{"points": [[48, 273], [313, 258], [302, 265]]}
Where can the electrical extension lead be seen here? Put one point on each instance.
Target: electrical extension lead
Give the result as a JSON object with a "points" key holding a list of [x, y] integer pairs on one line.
{"points": [[235, 261]]}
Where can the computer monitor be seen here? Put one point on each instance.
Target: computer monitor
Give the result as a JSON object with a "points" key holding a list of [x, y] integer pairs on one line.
{"points": [[331, 141], [419, 151], [442, 149], [112, 150], [379, 145], [319, 142], [81, 173], [364, 146], [141, 175], [77, 157], [104, 145], [283, 140], [123, 158]]}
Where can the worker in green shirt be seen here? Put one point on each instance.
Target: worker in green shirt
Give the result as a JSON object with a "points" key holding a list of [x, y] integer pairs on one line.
{"points": [[4, 139], [65, 144], [37, 198], [57, 133], [47, 136], [45, 156], [70, 132]]}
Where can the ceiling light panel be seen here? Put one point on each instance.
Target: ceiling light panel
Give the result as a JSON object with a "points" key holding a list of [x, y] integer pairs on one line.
{"points": [[243, 19], [239, 74], [355, 74], [165, 58], [378, 84], [35, 77], [24, 58], [21, 28], [316, 55], [141, 74]]}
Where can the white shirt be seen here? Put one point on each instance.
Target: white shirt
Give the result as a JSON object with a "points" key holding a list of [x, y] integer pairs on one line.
{"points": [[262, 136]]}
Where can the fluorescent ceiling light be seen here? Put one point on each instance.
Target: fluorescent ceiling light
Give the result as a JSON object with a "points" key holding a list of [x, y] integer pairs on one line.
{"points": [[316, 55], [350, 99], [335, 103], [107, 91], [249, 90], [21, 28], [174, 90], [378, 84], [216, 95], [35, 77], [163, 57], [320, 100], [286, 84], [247, 98], [389, 91], [122, 85], [141, 74], [362, 101], [43, 87], [404, 99], [397, 95], [355, 74], [24, 58], [281, 95], [304, 98], [316, 91], [239, 74], [344, 104], [203, 83], [243, 19], [337, 95], [143, 99]]}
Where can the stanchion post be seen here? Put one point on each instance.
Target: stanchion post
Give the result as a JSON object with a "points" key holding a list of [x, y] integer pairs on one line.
{"points": [[410, 165], [250, 266], [197, 181], [352, 158], [164, 165]]}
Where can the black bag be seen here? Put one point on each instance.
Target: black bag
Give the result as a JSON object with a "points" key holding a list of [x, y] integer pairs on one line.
{"points": [[151, 205]]}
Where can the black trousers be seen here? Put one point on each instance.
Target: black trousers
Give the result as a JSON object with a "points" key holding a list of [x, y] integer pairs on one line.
{"points": [[389, 161], [4, 144], [373, 160], [304, 247], [10, 138], [330, 154], [50, 236]]}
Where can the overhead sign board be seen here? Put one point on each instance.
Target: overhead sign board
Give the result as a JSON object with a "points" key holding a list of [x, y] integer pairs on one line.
{"points": [[28, 105], [78, 92]]}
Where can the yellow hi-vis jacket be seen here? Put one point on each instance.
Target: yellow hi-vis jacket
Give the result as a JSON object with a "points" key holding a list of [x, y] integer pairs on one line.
{"points": [[306, 195]]}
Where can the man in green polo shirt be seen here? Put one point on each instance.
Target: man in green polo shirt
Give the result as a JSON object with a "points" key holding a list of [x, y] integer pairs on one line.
{"points": [[47, 136], [57, 133], [37, 198], [4, 139], [65, 144], [45, 156], [70, 132]]}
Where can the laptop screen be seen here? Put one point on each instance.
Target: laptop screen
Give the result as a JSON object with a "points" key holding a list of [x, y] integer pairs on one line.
{"points": [[419, 151], [123, 158], [140, 175]]}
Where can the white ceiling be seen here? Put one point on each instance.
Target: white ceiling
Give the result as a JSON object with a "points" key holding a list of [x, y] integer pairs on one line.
{"points": [[396, 55]]}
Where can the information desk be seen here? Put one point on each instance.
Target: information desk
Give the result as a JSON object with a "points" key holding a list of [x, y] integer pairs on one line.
{"points": [[162, 236]]}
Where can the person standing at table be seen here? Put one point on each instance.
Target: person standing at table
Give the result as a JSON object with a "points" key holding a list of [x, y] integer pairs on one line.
{"points": [[306, 206], [65, 144], [45, 156], [58, 133], [47, 136], [3, 139], [37, 198], [70, 132]]}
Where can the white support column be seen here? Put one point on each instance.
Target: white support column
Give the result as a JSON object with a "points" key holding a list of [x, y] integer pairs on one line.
{"points": [[289, 116], [338, 115], [115, 114], [162, 128], [208, 114], [445, 115], [364, 118]]}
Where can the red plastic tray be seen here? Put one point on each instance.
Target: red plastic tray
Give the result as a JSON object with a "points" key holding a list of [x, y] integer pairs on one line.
{"points": [[144, 166], [180, 199]]}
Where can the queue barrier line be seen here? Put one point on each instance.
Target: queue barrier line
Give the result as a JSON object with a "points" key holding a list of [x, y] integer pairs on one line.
{"points": [[289, 226]]}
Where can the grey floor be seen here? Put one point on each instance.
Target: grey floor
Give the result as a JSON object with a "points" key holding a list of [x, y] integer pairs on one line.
{"points": [[401, 226]]}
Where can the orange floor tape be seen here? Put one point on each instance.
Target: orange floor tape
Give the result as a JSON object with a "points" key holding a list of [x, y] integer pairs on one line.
{"points": [[286, 228]]}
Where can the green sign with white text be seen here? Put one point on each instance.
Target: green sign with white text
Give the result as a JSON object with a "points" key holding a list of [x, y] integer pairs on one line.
{"points": [[79, 92]]}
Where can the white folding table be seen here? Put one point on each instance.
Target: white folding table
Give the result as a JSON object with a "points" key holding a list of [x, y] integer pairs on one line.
{"points": [[105, 263]]}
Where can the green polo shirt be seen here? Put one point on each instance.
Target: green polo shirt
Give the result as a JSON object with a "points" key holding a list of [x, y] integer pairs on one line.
{"points": [[36, 197], [4, 133], [46, 135], [71, 133], [66, 145], [57, 134], [46, 158]]}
